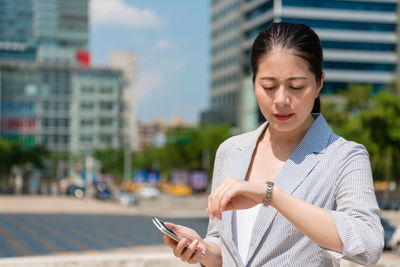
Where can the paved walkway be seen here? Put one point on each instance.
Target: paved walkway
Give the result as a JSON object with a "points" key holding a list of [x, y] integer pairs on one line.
{"points": [[164, 206], [25, 212]]}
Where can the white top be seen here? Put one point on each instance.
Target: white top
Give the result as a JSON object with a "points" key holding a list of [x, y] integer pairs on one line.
{"points": [[243, 222]]}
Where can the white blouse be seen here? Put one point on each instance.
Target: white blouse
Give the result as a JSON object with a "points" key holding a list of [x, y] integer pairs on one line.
{"points": [[243, 222]]}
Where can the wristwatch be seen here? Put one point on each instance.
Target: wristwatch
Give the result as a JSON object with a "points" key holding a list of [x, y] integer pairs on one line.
{"points": [[268, 194]]}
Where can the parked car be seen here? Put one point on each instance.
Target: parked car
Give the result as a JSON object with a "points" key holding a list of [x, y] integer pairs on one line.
{"points": [[149, 191], [103, 191], [75, 190], [392, 236], [389, 204], [128, 198]]}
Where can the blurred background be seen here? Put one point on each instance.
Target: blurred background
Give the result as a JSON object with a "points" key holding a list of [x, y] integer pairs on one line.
{"points": [[112, 111]]}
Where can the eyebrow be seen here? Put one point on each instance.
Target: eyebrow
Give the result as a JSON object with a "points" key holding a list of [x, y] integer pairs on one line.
{"points": [[290, 79]]}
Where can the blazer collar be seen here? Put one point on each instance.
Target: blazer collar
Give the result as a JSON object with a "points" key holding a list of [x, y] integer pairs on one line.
{"points": [[315, 139], [295, 170]]}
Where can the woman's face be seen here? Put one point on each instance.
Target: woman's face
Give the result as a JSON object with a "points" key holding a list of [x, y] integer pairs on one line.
{"points": [[285, 89]]}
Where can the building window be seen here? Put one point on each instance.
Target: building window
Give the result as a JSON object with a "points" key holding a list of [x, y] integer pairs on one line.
{"points": [[87, 89], [106, 105], [87, 105], [106, 122], [106, 90], [87, 122], [106, 139], [86, 139]]}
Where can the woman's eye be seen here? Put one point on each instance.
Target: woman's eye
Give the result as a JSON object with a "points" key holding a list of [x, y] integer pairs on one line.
{"points": [[296, 88], [268, 88]]}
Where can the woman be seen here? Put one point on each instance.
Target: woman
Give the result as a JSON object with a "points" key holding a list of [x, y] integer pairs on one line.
{"points": [[290, 193]]}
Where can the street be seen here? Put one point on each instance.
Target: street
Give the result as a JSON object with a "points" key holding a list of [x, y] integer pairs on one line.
{"points": [[37, 225], [44, 234], [62, 226]]}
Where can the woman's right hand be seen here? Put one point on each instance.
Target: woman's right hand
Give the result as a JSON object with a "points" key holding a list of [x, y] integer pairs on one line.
{"points": [[190, 254]]}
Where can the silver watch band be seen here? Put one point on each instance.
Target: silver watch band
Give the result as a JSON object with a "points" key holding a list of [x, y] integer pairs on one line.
{"points": [[268, 194]]}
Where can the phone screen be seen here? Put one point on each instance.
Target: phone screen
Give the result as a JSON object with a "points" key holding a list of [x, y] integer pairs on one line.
{"points": [[172, 232]]}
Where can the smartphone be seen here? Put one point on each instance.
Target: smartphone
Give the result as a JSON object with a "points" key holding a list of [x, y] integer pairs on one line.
{"points": [[164, 229]]}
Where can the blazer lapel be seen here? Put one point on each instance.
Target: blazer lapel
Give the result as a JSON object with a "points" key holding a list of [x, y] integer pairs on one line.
{"points": [[295, 170], [239, 164]]}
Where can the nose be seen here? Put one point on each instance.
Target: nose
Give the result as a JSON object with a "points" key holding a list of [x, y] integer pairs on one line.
{"points": [[282, 97]]}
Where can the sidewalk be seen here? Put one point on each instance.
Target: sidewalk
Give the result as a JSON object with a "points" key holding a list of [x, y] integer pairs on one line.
{"points": [[164, 206], [97, 260]]}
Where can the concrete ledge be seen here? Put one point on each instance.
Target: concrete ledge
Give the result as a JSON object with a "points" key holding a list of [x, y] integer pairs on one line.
{"points": [[97, 260]]}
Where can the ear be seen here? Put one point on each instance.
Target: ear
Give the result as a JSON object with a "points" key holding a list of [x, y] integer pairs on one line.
{"points": [[321, 83]]}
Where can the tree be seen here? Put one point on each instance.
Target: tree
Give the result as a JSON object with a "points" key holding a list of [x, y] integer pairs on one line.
{"points": [[372, 120], [187, 147], [381, 135], [15, 154], [112, 162]]}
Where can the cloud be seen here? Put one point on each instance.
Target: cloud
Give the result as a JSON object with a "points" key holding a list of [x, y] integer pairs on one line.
{"points": [[163, 44], [118, 13], [149, 82], [153, 82]]}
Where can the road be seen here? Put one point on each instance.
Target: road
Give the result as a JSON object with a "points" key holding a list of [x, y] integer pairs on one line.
{"points": [[40, 225], [46, 225]]}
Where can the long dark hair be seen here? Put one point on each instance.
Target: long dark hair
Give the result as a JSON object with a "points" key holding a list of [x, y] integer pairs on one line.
{"points": [[299, 39]]}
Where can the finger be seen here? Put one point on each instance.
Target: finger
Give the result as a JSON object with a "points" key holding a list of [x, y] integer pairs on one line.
{"points": [[209, 205], [215, 201], [169, 241], [196, 256], [170, 226], [180, 247], [225, 200], [190, 251], [223, 193]]}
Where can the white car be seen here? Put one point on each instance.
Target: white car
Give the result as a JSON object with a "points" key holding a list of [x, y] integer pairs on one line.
{"points": [[149, 191]]}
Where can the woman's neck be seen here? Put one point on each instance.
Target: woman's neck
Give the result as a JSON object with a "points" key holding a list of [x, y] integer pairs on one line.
{"points": [[288, 138]]}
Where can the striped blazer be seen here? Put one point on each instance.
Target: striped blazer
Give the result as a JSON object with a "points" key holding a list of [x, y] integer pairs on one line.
{"points": [[325, 170]]}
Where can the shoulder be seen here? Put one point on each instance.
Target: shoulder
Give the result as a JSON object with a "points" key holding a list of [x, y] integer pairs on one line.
{"points": [[346, 147], [347, 156]]}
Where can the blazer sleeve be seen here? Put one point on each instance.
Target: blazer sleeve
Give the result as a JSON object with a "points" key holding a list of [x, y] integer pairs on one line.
{"points": [[220, 159], [357, 213]]}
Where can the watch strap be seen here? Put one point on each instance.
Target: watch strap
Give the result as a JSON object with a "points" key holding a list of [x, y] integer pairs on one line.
{"points": [[268, 194]]}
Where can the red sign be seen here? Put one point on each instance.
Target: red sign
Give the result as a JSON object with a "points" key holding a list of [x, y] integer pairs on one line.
{"points": [[83, 57], [20, 125]]}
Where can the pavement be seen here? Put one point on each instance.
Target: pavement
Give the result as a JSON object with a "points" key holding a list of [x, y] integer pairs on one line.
{"points": [[22, 213]]}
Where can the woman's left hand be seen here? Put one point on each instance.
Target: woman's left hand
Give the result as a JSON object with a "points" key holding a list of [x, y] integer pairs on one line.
{"points": [[234, 194]]}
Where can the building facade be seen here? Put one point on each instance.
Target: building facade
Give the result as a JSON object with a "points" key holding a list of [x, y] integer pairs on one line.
{"points": [[50, 95], [65, 108], [44, 30], [359, 37], [125, 61]]}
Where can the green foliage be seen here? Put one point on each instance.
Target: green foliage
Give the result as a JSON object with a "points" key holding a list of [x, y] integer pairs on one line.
{"points": [[374, 121], [15, 154], [189, 148], [112, 162]]}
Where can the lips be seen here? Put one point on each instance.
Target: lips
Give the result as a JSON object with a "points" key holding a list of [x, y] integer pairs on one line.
{"points": [[283, 116]]}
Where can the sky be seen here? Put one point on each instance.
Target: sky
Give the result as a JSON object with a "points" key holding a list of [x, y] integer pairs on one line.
{"points": [[171, 41]]}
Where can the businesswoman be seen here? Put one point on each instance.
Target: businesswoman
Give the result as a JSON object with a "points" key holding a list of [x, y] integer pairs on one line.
{"points": [[291, 193]]}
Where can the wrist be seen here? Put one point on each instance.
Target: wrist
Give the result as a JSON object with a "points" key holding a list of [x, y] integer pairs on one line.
{"points": [[269, 188]]}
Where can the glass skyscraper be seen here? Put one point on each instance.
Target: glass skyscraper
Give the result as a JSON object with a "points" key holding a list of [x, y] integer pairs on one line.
{"points": [[49, 94], [359, 37]]}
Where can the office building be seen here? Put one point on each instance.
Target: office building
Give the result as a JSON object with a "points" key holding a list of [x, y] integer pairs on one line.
{"points": [[49, 93], [65, 108], [126, 62], [359, 37], [44, 30]]}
